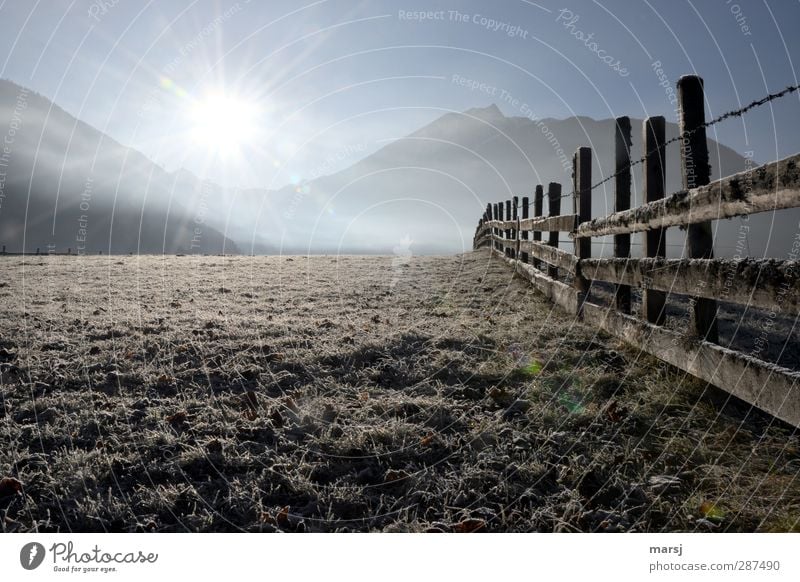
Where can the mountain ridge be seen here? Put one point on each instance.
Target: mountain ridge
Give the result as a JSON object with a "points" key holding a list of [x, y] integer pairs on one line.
{"points": [[69, 186], [428, 187]]}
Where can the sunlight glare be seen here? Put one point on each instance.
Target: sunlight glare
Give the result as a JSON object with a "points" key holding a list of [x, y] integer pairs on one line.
{"points": [[224, 123]]}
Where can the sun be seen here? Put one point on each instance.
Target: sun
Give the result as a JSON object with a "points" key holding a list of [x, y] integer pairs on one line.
{"points": [[223, 123]]}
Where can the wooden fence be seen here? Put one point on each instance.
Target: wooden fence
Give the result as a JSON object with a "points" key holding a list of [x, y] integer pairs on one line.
{"points": [[770, 284]]}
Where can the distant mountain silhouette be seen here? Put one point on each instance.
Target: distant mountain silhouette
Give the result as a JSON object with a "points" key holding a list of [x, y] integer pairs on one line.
{"points": [[70, 186], [429, 187], [432, 186]]}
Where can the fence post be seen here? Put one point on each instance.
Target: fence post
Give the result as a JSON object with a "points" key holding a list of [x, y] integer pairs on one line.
{"points": [[582, 204], [494, 229], [508, 230], [515, 216], [487, 216], [655, 242], [538, 203], [524, 234], [553, 209], [622, 201], [500, 230], [697, 172]]}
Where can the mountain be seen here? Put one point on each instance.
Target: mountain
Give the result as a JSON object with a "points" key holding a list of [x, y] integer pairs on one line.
{"points": [[64, 185], [423, 192], [431, 186]]}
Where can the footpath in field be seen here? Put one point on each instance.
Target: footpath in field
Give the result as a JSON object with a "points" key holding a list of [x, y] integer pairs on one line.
{"points": [[354, 394]]}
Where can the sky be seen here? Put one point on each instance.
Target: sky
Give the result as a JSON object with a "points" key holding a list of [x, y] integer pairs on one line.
{"points": [[287, 90]]}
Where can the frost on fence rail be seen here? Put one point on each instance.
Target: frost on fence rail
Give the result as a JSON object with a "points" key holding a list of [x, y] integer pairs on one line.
{"points": [[773, 186]]}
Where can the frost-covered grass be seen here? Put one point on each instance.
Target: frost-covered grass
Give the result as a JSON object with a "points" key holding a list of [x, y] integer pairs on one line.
{"points": [[354, 394]]}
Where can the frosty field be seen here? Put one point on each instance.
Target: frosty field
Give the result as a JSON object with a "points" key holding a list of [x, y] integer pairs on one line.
{"points": [[352, 393]]}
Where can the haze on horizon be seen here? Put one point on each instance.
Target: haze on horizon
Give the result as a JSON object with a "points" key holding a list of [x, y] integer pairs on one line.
{"points": [[274, 98]]}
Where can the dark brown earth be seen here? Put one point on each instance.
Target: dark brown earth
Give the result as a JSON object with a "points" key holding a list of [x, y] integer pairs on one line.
{"points": [[354, 394]]}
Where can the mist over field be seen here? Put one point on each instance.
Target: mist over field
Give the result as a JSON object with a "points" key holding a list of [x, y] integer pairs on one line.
{"points": [[70, 186]]}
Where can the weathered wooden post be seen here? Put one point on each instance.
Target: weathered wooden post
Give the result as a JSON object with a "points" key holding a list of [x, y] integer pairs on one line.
{"points": [[697, 172], [498, 210], [478, 233], [538, 204], [515, 231], [524, 234], [553, 209], [488, 215], [508, 230], [501, 244], [494, 229], [655, 242], [582, 205], [622, 201]]}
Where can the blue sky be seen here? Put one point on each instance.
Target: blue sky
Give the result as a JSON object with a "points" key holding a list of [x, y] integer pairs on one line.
{"points": [[332, 80]]}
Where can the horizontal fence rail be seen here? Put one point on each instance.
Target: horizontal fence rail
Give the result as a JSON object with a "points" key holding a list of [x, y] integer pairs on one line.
{"points": [[766, 386], [774, 186], [565, 277], [770, 284], [551, 255]]}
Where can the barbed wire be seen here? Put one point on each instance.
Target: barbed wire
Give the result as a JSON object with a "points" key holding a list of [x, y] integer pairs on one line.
{"points": [[681, 136], [686, 134]]}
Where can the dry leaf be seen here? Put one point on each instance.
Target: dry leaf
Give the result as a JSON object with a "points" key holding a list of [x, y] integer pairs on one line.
{"points": [[267, 518], [469, 526], [614, 413], [283, 517], [395, 475], [10, 486], [501, 396], [251, 400], [177, 418]]}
